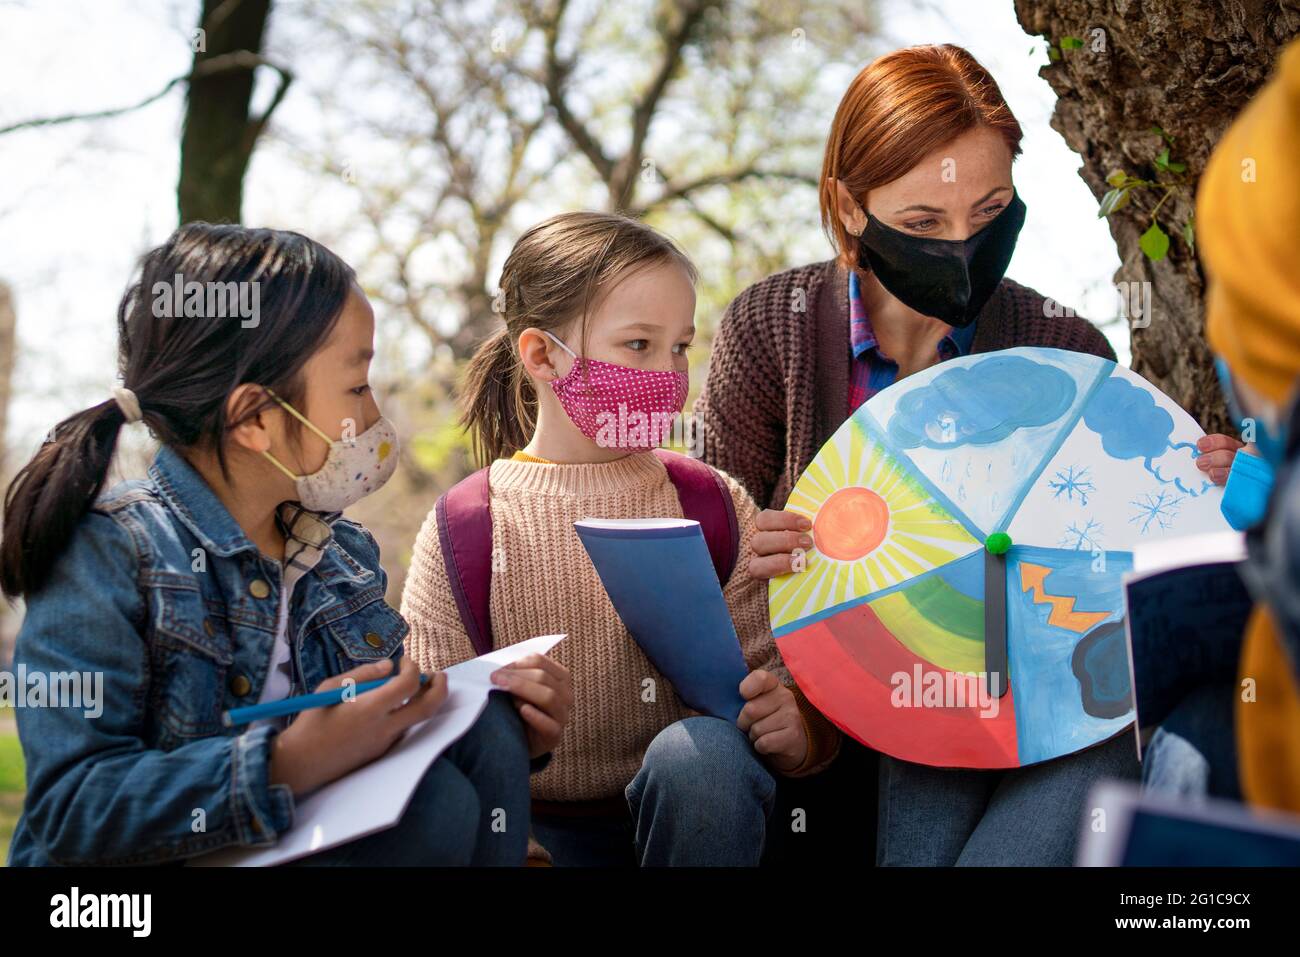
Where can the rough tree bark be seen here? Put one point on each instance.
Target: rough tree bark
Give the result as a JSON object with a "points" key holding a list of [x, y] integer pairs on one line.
{"points": [[219, 132], [1187, 67]]}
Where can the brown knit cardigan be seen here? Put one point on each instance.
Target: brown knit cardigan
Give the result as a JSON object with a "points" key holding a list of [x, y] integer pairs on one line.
{"points": [[778, 380]]}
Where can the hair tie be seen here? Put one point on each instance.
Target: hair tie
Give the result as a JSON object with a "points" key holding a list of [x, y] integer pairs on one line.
{"points": [[128, 403]]}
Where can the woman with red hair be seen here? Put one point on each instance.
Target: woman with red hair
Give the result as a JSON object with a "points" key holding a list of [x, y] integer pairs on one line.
{"points": [[917, 199]]}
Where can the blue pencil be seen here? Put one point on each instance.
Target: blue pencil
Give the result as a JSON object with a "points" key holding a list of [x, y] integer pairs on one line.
{"points": [[318, 699]]}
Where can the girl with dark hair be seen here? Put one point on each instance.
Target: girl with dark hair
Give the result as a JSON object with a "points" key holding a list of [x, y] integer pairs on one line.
{"points": [[228, 577]]}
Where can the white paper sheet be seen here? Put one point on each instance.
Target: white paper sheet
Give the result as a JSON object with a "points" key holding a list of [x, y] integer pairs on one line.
{"points": [[1206, 548], [374, 797]]}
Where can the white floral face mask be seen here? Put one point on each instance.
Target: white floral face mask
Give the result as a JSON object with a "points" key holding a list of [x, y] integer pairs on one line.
{"points": [[353, 468]]}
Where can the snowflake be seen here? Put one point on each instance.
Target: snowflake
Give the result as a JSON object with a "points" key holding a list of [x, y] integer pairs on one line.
{"points": [[1070, 482], [1085, 538], [1160, 507]]}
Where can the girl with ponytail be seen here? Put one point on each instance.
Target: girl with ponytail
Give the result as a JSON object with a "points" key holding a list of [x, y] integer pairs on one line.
{"points": [[226, 578]]}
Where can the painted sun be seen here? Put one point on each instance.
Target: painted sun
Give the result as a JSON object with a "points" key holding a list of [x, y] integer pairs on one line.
{"points": [[874, 526]]}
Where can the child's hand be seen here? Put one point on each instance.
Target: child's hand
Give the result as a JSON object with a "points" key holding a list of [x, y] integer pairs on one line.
{"points": [[772, 721], [543, 693], [1217, 451], [323, 744], [778, 537]]}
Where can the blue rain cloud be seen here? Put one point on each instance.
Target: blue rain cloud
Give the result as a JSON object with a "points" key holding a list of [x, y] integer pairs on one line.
{"points": [[1128, 420], [981, 403]]}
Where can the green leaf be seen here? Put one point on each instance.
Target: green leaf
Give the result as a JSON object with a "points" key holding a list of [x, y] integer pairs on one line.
{"points": [[1053, 54], [1189, 234], [1117, 178], [1071, 43], [1178, 167], [1113, 201], [1154, 243], [1162, 161]]}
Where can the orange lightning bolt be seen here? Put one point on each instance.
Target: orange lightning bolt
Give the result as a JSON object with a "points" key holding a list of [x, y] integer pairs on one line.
{"points": [[1063, 614]]}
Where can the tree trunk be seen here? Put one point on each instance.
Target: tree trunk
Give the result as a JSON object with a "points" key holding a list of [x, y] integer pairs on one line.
{"points": [[1120, 68], [218, 136]]}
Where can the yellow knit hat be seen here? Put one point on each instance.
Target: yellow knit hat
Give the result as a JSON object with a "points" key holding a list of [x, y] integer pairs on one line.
{"points": [[1248, 231]]}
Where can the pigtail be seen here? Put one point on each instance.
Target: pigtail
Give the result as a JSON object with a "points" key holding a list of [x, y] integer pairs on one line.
{"points": [[52, 492], [498, 403]]}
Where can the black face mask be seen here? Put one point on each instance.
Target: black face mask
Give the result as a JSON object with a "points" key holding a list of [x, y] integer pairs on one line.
{"points": [[949, 279]]}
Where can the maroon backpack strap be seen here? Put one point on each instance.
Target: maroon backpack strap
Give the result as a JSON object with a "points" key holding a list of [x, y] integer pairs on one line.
{"points": [[706, 499], [464, 516]]}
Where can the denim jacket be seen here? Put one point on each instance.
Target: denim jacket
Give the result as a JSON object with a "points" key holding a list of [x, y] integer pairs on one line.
{"points": [[161, 592]]}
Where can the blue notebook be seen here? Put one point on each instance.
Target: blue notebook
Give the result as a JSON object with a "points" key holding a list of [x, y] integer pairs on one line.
{"points": [[658, 574], [1153, 829], [1186, 609]]}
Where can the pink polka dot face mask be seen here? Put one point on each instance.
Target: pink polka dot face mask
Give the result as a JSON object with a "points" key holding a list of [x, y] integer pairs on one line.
{"points": [[617, 406]]}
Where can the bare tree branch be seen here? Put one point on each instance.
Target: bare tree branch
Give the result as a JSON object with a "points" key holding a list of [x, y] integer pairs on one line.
{"points": [[555, 78], [723, 230], [624, 180], [255, 127], [237, 60], [723, 178]]}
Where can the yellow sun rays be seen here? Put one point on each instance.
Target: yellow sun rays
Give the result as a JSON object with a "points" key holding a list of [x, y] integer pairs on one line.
{"points": [[920, 534]]}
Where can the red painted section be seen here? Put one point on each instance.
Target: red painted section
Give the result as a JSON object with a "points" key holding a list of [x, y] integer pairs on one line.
{"points": [[845, 665]]}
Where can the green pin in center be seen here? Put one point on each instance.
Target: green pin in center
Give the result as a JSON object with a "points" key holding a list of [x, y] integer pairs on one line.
{"points": [[998, 543]]}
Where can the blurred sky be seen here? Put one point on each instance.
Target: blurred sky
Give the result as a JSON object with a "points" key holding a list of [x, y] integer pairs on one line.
{"points": [[79, 203]]}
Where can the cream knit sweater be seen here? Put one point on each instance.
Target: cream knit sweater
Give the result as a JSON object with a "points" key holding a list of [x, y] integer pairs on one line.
{"points": [[544, 583]]}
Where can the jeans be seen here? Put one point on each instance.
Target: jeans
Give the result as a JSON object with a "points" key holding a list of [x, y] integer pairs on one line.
{"points": [[1193, 753], [471, 806], [1024, 817], [701, 798]]}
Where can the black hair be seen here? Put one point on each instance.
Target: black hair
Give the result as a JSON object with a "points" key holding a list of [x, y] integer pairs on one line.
{"points": [[182, 368]]}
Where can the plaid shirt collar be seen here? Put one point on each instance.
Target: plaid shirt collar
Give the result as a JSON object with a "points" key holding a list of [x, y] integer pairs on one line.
{"points": [[862, 337], [307, 535]]}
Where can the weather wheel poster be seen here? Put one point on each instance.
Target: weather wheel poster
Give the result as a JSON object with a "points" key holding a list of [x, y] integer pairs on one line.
{"points": [[1022, 478]]}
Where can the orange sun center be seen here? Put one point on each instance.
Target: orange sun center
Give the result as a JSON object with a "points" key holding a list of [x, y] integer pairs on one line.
{"points": [[850, 523]]}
